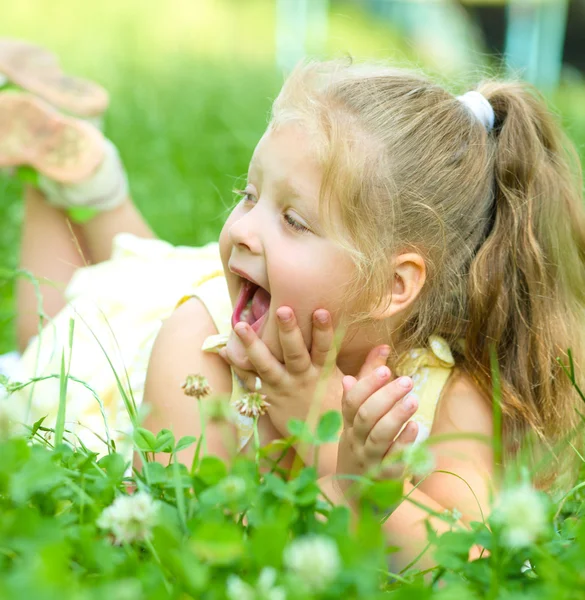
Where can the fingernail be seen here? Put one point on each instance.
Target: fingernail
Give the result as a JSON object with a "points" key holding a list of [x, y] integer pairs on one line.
{"points": [[241, 329], [321, 316], [385, 351], [382, 372], [284, 315], [405, 382], [409, 403]]}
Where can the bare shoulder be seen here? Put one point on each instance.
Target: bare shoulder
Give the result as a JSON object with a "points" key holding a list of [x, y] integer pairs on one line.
{"points": [[461, 443], [189, 318], [177, 350], [463, 407], [177, 353]]}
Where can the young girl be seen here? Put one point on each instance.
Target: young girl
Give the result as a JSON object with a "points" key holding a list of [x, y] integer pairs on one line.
{"points": [[434, 231]]}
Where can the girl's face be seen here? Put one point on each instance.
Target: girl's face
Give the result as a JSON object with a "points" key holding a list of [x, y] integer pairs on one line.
{"points": [[273, 247]]}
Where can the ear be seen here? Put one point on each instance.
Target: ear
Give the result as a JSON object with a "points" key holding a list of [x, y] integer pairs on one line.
{"points": [[409, 277]]}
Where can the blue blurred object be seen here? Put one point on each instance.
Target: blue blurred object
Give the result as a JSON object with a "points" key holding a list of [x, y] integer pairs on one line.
{"points": [[535, 39], [301, 28], [534, 34]]}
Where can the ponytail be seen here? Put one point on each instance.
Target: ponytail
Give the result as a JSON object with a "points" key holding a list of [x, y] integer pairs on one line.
{"points": [[527, 281], [497, 216]]}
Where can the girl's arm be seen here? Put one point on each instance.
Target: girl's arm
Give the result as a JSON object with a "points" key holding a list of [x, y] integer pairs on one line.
{"points": [[463, 467], [466, 486], [176, 354]]}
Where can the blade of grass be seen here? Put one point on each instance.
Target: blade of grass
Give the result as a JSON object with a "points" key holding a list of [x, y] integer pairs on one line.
{"points": [[497, 416], [60, 423]]}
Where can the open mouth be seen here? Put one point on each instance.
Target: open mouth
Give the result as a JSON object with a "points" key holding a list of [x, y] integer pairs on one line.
{"points": [[252, 305]]}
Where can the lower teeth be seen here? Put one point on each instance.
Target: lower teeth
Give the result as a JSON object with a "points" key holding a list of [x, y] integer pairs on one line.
{"points": [[246, 312]]}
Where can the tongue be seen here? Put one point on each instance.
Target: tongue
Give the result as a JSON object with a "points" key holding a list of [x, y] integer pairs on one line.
{"points": [[260, 303]]}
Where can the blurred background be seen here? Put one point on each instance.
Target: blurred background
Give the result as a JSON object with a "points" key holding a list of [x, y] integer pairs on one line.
{"points": [[191, 81]]}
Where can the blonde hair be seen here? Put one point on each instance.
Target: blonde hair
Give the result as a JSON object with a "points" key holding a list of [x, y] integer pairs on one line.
{"points": [[497, 216]]}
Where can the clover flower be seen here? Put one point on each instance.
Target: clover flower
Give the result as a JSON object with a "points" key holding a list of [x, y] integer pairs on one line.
{"points": [[521, 512], [252, 405], [314, 559], [418, 460], [237, 589], [130, 518], [197, 386]]}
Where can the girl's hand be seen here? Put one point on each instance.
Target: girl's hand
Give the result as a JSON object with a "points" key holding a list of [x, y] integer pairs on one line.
{"points": [[305, 377], [375, 408]]}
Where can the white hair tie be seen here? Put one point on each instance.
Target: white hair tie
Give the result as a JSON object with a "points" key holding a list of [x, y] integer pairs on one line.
{"points": [[480, 107]]}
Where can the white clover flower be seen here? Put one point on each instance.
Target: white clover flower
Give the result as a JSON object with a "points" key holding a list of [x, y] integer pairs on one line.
{"points": [[521, 512], [252, 405], [237, 589], [419, 460], [130, 518], [266, 587], [314, 559]]}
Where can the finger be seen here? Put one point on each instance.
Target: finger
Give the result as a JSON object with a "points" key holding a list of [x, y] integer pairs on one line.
{"points": [[362, 390], [392, 468], [323, 343], [235, 361], [388, 427], [377, 357], [296, 356], [263, 361], [250, 380], [347, 383], [378, 405]]}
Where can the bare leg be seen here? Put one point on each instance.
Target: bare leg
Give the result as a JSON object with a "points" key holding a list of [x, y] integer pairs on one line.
{"points": [[50, 249], [99, 232], [53, 249]]}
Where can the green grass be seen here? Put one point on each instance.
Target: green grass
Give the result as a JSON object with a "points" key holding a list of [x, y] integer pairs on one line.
{"points": [[191, 86]]}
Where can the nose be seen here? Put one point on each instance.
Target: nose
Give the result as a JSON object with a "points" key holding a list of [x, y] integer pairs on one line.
{"points": [[243, 233]]}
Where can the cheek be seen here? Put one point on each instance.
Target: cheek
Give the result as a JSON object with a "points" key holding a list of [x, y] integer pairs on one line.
{"points": [[225, 245]]}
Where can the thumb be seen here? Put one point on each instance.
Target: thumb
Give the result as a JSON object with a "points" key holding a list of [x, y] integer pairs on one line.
{"points": [[377, 357]]}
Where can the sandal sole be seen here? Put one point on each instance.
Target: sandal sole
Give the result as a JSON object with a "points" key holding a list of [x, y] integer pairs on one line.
{"points": [[34, 134], [37, 70]]}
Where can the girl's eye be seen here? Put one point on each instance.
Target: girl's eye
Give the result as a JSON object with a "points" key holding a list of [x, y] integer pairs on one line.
{"points": [[245, 196], [292, 222]]}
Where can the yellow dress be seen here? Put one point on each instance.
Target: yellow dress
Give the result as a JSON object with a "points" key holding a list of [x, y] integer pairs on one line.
{"points": [[118, 307]]}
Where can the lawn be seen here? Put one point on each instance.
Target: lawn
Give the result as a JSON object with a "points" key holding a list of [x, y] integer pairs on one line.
{"points": [[191, 83], [191, 86]]}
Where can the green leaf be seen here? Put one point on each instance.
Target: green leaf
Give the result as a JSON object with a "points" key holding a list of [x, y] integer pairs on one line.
{"points": [[155, 473], [384, 494], [267, 543], [278, 488], [36, 426], [144, 440], [300, 430], [328, 427], [114, 465], [211, 470], [165, 441], [453, 547], [218, 543], [185, 442]]}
